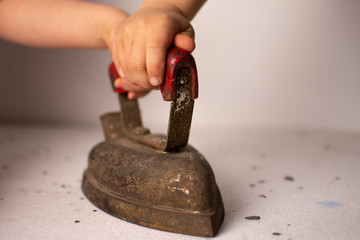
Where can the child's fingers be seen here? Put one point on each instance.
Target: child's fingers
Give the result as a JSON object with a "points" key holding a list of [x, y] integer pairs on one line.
{"points": [[133, 63], [130, 58], [155, 64], [185, 40], [157, 47], [156, 50]]}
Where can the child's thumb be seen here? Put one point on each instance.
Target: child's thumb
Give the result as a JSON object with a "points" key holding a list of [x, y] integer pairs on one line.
{"points": [[185, 40]]}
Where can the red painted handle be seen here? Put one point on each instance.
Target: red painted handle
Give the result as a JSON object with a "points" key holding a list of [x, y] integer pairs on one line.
{"points": [[177, 58]]}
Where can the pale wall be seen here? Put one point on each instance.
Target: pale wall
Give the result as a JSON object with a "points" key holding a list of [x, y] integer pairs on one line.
{"points": [[261, 63]]}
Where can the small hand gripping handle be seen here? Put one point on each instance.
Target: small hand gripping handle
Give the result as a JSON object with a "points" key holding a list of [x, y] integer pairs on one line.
{"points": [[177, 59], [180, 86]]}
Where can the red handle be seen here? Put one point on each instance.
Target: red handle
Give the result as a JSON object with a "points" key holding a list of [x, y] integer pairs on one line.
{"points": [[177, 59]]}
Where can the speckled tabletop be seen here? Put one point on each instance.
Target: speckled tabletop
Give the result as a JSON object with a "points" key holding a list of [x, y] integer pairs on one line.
{"points": [[275, 184]]}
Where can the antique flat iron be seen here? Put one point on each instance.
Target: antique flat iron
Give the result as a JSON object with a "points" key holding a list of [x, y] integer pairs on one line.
{"points": [[154, 180]]}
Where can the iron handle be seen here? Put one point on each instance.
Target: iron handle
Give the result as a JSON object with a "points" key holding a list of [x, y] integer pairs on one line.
{"points": [[180, 86], [177, 59]]}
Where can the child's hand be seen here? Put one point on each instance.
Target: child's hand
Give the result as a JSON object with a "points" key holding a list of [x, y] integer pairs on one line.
{"points": [[139, 45]]}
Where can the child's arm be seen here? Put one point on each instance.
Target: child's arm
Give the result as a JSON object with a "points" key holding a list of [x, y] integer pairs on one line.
{"points": [[65, 23], [140, 44]]}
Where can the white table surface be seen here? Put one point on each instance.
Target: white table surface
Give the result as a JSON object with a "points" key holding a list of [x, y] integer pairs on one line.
{"points": [[41, 168]]}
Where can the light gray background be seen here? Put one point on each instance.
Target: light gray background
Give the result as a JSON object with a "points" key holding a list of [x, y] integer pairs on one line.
{"points": [[261, 63]]}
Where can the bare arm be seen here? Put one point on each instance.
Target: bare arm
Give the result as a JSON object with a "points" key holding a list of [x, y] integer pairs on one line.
{"points": [[138, 43], [58, 23]]}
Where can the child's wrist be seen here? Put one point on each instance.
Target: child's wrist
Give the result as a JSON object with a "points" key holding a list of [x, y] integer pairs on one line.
{"points": [[188, 8], [112, 25], [168, 6]]}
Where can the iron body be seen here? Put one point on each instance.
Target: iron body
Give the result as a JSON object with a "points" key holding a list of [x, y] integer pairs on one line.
{"points": [[154, 180]]}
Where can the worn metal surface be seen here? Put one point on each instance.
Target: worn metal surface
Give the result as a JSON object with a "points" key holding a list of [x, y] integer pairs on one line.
{"points": [[155, 180], [179, 121], [130, 116], [169, 191], [112, 125]]}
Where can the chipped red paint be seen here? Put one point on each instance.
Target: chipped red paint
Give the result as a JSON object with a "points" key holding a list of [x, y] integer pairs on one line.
{"points": [[178, 58]]}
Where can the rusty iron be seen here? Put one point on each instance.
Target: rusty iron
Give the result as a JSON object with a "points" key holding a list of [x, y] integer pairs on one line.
{"points": [[154, 180]]}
